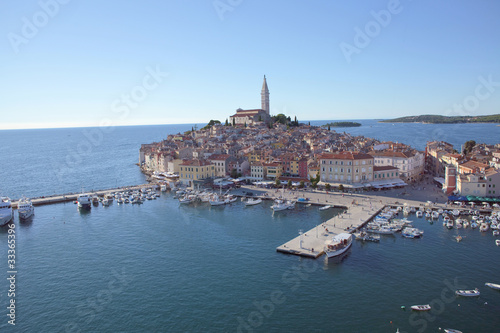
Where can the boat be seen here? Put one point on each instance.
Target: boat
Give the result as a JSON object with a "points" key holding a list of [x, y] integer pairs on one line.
{"points": [[497, 242], [280, 205], [449, 224], [493, 285], [84, 201], [496, 233], [253, 202], [423, 307], [105, 202], [6, 213], [325, 207], [412, 233], [216, 201], [468, 293], [25, 208], [338, 245], [382, 231], [163, 187], [419, 213], [452, 330], [367, 238], [484, 227]]}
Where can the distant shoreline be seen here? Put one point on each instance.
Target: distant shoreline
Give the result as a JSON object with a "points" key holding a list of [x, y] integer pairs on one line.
{"points": [[437, 119]]}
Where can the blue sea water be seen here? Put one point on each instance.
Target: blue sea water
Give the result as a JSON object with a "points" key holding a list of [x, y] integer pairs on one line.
{"points": [[161, 267]]}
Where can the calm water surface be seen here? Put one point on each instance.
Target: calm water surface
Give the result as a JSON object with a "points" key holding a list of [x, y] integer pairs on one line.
{"points": [[164, 268]]}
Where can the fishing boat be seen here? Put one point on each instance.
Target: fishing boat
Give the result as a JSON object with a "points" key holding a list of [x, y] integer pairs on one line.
{"points": [[468, 293], [493, 285], [423, 307], [25, 208], [338, 245], [253, 202], [325, 207]]}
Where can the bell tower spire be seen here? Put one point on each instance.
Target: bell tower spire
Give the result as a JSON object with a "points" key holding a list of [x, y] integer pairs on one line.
{"points": [[264, 97]]}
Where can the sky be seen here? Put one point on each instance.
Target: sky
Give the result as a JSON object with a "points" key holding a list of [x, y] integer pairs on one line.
{"points": [[70, 63]]}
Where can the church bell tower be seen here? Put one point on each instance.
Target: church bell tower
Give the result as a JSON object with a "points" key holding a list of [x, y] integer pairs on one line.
{"points": [[264, 97]]}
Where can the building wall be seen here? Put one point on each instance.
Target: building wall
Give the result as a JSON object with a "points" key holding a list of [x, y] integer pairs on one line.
{"points": [[346, 171]]}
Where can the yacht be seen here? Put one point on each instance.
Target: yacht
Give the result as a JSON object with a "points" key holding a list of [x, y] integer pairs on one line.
{"points": [[282, 205], [338, 245], [253, 202], [84, 201], [25, 208], [6, 214]]}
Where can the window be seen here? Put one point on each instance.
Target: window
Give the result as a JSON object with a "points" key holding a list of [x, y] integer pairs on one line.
{"points": [[341, 170]]}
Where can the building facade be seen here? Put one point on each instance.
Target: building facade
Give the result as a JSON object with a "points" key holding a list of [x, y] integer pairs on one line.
{"points": [[346, 167]]}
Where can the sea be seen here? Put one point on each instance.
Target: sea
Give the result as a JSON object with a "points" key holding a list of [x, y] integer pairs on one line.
{"points": [[162, 267]]}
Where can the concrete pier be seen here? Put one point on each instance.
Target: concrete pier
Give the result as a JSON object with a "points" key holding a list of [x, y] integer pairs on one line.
{"points": [[311, 242], [48, 200]]}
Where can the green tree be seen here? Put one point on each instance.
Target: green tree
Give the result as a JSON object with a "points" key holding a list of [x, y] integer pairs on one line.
{"points": [[329, 128], [468, 146], [211, 123], [289, 184], [328, 187], [227, 123], [301, 184], [260, 118], [234, 173], [341, 188], [277, 182], [234, 122]]}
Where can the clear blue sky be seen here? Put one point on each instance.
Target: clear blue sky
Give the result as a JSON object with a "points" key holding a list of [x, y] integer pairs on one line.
{"points": [[87, 54]]}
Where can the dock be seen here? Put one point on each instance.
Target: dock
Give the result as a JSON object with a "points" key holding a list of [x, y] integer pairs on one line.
{"points": [[61, 198], [311, 243]]}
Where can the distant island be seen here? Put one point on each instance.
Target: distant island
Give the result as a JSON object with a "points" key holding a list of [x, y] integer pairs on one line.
{"points": [[342, 124], [435, 119]]}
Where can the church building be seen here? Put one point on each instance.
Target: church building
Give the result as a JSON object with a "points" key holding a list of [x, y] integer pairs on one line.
{"points": [[254, 115]]}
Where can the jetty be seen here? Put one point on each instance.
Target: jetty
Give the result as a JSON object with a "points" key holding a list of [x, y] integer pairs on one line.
{"points": [[311, 243], [61, 198]]}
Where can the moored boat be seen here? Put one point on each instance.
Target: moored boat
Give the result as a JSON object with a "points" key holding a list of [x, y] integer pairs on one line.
{"points": [[338, 245], [452, 330], [493, 285], [423, 307], [25, 208], [325, 207], [6, 213], [468, 293], [84, 201], [253, 202]]}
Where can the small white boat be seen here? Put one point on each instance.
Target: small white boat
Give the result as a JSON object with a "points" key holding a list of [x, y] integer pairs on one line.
{"points": [[484, 227], [468, 293], [419, 213], [496, 233], [25, 208], [105, 202], [493, 285], [280, 205], [253, 202], [423, 307], [497, 242], [451, 330], [325, 207], [163, 187]]}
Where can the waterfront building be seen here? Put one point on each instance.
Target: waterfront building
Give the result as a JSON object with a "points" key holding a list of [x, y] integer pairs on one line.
{"points": [[346, 167], [272, 170], [434, 151], [221, 164], [257, 171], [492, 182], [471, 184], [409, 162], [192, 171]]}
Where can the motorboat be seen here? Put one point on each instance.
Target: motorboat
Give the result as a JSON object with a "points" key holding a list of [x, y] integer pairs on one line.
{"points": [[484, 227], [105, 202], [382, 230], [423, 307], [412, 233], [497, 242], [253, 202], [325, 207], [25, 208], [452, 330], [84, 201], [6, 213], [492, 285], [163, 187], [449, 224], [419, 213], [367, 237], [280, 205], [338, 245], [468, 293]]}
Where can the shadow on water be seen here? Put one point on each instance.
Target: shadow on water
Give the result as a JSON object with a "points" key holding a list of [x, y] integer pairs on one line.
{"points": [[26, 223]]}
